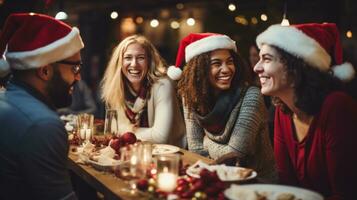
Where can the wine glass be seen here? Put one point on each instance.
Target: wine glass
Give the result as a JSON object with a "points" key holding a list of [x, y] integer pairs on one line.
{"points": [[111, 126], [132, 167]]}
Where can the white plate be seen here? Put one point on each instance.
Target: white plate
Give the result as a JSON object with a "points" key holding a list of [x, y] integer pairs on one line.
{"points": [[245, 192], [225, 173], [101, 166], [164, 149]]}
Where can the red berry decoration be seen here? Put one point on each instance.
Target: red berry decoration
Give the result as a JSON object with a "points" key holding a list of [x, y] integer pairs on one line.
{"points": [[142, 184], [208, 186], [188, 194], [182, 181], [190, 179], [128, 138], [220, 185], [115, 143], [211, 191], [205, 175], [221, 196], [75, 140], [198, 185], [214, 177], [181, 188]]}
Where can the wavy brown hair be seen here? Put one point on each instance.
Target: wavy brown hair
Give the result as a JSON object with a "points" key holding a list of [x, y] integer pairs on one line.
{"points": [[194, 86], [311, 86]]}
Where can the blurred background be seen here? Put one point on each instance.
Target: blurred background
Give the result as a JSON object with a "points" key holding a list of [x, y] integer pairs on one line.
{"points": [[104, 23]]}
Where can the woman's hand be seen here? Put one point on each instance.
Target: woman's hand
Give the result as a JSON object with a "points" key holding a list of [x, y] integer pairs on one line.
{"points": [[230, 159]]}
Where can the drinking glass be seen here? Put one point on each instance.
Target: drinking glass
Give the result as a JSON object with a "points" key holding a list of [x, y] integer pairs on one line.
{"points": [[132, 167], [111, 126], [167, 167], [146, 155], [85, 126]]}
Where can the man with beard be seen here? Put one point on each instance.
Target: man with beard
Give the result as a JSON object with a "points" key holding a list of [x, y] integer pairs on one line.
{"points": [[43, 56]]}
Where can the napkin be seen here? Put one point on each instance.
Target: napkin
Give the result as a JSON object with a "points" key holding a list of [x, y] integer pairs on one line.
{"points": [[107, 152], [84, 152], [103, 160], [68, 127]]}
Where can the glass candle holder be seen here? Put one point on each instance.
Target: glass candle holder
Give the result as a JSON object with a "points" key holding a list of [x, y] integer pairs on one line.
{"points": [[111, 126], [131, 170], [167, 171], [85, 126], [146, 154]]}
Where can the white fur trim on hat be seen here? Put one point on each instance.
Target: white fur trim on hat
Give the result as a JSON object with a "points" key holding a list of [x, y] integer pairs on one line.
{"points": [[207, 44], [296, 42], [344, 72], [174, 72], [56, 51]]}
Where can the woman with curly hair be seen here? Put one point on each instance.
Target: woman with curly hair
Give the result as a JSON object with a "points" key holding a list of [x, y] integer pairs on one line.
{"points": [[225, 117], [135, 84], [315, 123]]}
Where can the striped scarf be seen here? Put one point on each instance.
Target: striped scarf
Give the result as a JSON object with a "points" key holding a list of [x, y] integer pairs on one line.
{"points": [[136, 106]]}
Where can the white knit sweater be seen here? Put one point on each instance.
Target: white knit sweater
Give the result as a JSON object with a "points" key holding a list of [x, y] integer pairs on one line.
{"points": [[166, 124]]}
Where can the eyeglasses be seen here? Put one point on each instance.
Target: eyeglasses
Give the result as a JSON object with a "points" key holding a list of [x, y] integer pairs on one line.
{"points": [[76, 66]]}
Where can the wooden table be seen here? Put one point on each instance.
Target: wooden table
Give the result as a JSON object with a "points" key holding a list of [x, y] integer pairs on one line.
{"points": [[110, 186]]}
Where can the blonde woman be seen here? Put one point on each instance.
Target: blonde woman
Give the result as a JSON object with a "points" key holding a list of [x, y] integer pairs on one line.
{"points": [[136, 85]]}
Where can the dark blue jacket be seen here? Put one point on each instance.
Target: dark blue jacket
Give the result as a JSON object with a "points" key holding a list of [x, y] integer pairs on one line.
{"points": [[33, 147]]}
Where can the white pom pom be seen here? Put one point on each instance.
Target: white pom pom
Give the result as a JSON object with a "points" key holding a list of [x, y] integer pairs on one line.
{"points": [[4, 68], [174, 72], [345, 72]]}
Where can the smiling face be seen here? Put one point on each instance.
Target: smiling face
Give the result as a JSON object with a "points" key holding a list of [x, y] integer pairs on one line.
{"points": [[135, 65], [222, 70], [272, 73]]}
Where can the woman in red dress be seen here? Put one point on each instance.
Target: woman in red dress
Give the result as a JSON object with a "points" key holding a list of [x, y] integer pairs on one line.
{"points": [[315, 122]]}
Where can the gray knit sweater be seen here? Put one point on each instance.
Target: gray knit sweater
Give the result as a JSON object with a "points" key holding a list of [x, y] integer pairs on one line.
{"points": [[246, 132]]}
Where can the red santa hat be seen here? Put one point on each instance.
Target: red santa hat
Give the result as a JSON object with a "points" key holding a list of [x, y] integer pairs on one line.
{"points": [[317, 44], [195, 44], [30, 40]]}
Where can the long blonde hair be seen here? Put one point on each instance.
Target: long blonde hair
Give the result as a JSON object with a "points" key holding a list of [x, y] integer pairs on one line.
{"points": [[112, 85]]}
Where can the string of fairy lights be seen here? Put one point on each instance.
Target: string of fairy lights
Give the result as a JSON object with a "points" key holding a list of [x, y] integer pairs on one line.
{"points": [[190, 20], [155, 22]]}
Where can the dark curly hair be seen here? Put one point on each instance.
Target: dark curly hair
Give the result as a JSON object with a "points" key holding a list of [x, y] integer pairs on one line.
{"points": [[311, 86], [194, 86]]}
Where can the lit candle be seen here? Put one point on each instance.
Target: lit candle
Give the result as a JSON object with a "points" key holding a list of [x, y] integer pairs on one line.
{"points": [[133, 164], [85, 126], [166, 181], [82, 133], [153, 171], [147, 158], [133, 160], [147, 154], [88, 134]]}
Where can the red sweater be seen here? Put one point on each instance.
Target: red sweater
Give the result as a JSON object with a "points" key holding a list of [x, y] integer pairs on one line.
{"points": [[325, 161]]}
